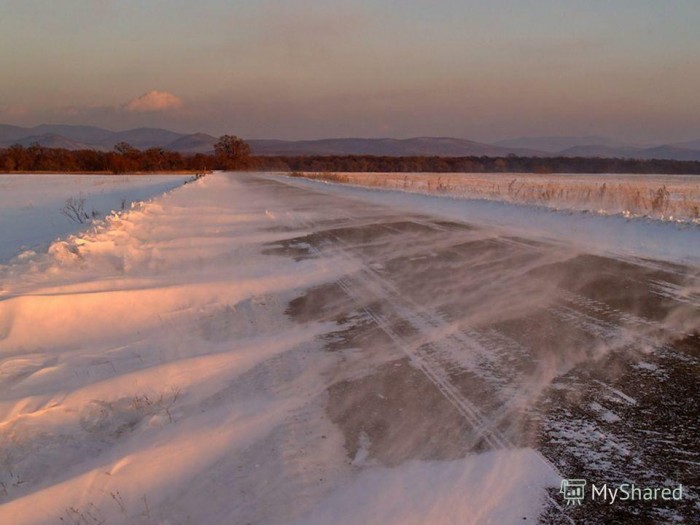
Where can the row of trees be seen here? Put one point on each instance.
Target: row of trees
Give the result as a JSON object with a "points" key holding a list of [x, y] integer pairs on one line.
{"points": [[509, 164], [232, 153]]}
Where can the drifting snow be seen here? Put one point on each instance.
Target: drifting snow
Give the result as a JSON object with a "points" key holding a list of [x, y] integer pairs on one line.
{"points": [[30, 205], [490, 488], [149, 374]]}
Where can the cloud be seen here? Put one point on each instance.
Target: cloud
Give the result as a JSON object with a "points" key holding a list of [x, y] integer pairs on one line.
{"points": [[154, 101], [14, 111]]}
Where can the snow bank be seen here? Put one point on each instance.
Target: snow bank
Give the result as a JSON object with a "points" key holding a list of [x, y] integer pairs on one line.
{"points": [[115, 344], [30, 205]]}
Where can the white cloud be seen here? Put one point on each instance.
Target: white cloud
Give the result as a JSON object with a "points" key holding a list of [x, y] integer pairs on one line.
{"points": [[154, 101]]}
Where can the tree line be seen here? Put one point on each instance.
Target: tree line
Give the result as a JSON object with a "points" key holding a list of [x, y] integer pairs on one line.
{"points": [[509, 164], [232, 153]]}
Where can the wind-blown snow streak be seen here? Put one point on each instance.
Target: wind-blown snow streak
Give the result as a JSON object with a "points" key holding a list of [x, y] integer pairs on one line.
{"points": [[512, 327], [154, 370]]}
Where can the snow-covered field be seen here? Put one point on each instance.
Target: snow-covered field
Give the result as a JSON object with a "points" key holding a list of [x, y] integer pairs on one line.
{"points": [[259, 349], [30, 205], [601, 233], [666, 197]]}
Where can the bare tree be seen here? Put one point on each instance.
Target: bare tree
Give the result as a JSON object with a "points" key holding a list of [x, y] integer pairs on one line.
{"points": [[231, 151], [75, 210]]}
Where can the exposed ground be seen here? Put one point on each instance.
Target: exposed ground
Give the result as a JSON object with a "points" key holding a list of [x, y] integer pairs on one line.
{"points": [[252, 349]]}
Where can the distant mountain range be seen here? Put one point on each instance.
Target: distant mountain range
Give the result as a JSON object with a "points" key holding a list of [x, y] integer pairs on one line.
{"points": [[86, 137], [557, 144], [91, 137]]}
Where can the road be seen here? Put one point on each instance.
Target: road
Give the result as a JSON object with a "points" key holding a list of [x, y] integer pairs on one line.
{"points": [[473, 339], [252, 348]]}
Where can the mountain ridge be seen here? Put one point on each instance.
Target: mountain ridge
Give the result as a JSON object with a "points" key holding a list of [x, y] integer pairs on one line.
{"points": [[74, 137]]}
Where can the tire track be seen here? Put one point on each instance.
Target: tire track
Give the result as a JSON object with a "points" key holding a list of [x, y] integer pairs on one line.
{"points": [[370, 284]]}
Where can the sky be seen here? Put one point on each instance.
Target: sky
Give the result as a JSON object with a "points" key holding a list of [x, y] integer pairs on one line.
{"points": [[304, 69]]}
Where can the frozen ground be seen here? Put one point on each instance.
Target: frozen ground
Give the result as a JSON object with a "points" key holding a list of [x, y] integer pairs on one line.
{"points": [[259, 349], [30, 205]]}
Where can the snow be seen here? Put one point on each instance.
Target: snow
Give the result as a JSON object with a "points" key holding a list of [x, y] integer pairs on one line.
{"points": [[594, 233], [649, 367], [497, 488], [604, 414], [665, 197], [30, 205], [149, 374], [621, 395]]}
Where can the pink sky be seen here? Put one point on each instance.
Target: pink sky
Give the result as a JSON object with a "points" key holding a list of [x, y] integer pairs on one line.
{"points": [[312, 69]]}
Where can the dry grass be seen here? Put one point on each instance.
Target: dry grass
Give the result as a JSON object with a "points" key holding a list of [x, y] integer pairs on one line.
{"points": [[661, 197]]}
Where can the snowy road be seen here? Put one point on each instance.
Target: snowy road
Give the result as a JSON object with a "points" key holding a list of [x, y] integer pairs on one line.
{"points": [[256, 349]]}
